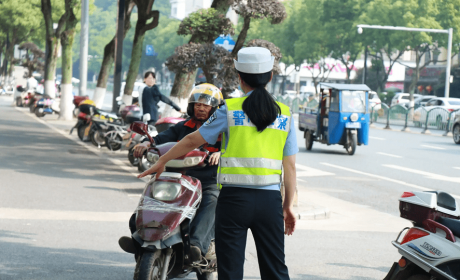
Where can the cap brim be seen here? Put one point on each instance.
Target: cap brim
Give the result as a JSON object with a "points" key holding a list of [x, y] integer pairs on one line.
{"points": [[255, 68]]}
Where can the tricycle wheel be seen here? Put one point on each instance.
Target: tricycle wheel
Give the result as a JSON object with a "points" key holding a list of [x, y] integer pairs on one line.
{"points": [[351, 143], [308, 139]]}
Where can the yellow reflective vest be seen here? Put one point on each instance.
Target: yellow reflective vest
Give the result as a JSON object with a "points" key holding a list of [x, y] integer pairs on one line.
{"points": [[250, 157]]}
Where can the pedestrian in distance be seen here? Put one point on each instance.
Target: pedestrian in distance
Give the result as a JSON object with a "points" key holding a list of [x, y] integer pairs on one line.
{"points": [[151, 96], [259, 140]]}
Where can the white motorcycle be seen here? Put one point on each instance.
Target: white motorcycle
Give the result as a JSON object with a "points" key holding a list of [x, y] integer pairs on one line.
{"points": [[431, 249]]}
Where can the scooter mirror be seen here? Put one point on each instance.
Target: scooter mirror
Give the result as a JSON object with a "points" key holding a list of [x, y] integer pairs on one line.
{"points": [[142, 129]]}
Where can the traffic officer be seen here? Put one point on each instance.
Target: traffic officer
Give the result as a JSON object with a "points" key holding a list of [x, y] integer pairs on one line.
{"points": [[259, 140]]}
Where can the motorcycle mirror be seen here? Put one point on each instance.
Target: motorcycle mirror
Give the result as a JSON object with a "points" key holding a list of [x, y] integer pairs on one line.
{"points": [[142, 129]]}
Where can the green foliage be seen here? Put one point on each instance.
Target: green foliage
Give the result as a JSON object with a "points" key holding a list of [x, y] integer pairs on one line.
{"points": [[205, 25]]}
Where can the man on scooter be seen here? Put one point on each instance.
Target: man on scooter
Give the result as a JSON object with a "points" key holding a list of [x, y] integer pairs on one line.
{"points": [[203, 101]]}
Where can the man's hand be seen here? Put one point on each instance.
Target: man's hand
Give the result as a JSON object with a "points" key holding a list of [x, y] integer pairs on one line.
{"points": [[139, 149], [289, 221], [214, 158]]}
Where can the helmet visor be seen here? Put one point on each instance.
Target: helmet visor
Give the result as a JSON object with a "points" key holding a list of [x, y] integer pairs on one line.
{"points": [[204, 99]]}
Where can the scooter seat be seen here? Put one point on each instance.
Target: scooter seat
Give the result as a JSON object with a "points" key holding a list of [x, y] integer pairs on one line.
{"points": [[452, 224]]}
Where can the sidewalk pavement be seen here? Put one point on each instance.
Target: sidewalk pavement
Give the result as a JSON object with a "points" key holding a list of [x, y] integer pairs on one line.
{"points": [[304, 205]]}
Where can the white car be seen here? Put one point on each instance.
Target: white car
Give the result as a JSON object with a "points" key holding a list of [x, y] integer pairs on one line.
{"points": [[440, 109], [290, 93], [402, 97], [421, 101], [374, 101]]}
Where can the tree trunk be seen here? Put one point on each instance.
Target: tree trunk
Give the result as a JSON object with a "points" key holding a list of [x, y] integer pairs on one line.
{"points": [[109, 58], [136, 56], [67, 39], [106, 66], [242, 36]]}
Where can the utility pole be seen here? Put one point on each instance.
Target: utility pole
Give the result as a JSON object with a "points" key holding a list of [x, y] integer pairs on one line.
{"points": [[365, 67], [84, 46], [118, 54]]}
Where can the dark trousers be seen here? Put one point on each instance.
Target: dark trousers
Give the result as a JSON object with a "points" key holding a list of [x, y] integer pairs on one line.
{"points": [[202, 229], [240, 209]]}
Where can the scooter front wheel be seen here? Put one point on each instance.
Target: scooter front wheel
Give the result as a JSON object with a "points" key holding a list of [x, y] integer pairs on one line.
{"points": [[38, 114], [149, 266]]}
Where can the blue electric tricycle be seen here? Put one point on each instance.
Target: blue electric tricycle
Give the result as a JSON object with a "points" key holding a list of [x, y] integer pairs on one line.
{"points": [[340, 116]]}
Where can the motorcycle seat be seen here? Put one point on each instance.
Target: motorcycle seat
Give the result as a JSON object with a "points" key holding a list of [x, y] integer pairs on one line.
{"points": [[452, 224]]}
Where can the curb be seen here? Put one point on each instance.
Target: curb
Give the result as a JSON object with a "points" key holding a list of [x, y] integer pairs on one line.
{"points": [[314, 214]]}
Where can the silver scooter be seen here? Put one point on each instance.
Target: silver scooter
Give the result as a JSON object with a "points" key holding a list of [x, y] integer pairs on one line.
{"points": [[431, 248]]}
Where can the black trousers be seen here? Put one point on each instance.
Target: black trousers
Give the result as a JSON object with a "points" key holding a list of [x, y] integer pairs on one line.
{"points": [[240, 209]]}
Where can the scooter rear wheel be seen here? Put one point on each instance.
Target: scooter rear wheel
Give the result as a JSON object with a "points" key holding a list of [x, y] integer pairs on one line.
{"points": [[97, 138], [149, 266], [81, 133], [38, 114]]}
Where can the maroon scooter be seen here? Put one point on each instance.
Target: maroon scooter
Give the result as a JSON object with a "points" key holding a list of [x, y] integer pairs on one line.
{"points": [[163, 215]]}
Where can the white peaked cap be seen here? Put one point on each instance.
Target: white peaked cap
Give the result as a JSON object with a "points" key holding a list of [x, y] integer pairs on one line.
{"points": [[254, 60]]}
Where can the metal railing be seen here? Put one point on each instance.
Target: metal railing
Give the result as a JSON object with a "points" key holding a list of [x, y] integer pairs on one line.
{"points": [[436, 118]]}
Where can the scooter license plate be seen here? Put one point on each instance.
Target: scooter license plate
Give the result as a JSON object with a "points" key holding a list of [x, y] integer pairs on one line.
{"points": [[353, 125]]}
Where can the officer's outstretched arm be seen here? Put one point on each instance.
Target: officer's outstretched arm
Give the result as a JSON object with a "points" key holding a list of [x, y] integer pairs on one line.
{"points": [[187, 144]]}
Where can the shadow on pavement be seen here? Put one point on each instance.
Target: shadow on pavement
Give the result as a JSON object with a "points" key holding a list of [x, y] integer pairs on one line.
{"points": [[32, 262]]}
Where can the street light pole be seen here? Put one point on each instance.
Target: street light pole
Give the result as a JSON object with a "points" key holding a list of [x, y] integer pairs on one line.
{"points": [[445, 31], [84, 46]]}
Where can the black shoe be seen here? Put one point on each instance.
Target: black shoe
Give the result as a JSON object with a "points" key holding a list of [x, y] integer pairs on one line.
{"points": [[195, 254], [127, 244]]}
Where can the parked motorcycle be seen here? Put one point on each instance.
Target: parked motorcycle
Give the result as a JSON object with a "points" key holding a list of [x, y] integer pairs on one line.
{"points": [[47, 106], [163, 216], [431, 248]]}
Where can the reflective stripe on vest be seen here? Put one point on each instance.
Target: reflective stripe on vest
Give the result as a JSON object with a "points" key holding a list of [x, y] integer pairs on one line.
{"points": [[256, 180], [252, 162]]}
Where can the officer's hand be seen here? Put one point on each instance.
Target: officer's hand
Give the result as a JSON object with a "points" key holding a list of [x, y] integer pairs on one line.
{"points": [[289, 221], [157, 168], [214, 158], [139, 149]]}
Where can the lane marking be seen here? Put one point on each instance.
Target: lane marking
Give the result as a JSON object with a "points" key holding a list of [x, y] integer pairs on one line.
{"points": [[62, 215], [135, 195], [426, 174], [456, 167], [310, 172], [390, 155], [377, 176], [377, 138], [433, 147]]}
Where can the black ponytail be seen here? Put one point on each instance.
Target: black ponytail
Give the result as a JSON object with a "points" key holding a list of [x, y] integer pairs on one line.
{"points": [[260, 106]]}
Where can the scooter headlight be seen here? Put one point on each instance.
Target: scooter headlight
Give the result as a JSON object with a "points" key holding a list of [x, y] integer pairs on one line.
{"points": [[165, 191], [192, 161], [153, 158], [354, 117]]}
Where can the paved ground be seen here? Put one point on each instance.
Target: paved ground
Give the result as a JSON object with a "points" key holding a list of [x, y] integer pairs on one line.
{"points": [[63, 205]]}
